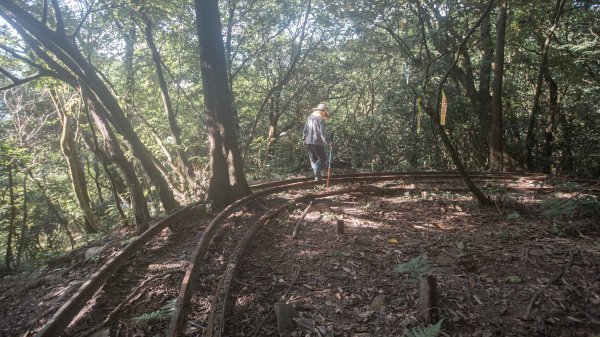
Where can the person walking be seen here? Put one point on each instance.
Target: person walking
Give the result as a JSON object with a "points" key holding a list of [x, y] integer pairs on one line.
{"points": [[314, 138]]}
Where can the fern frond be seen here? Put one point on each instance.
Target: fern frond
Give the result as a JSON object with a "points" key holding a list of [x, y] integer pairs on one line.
{"points": [[418, 267], [430, 331], [160, 314]]}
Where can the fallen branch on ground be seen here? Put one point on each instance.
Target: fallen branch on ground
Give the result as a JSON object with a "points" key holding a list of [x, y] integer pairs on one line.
{"points": [[554, 280]]}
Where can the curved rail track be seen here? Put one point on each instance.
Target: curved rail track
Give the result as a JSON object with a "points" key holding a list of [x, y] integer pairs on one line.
{"points": [[65, 314]]}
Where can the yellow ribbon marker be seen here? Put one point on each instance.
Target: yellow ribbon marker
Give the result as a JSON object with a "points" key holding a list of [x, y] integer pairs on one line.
{"points": [[419, 116], [443, 109]]}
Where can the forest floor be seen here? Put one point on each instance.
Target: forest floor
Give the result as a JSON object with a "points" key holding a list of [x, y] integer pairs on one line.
{"points": [[510, 270]]}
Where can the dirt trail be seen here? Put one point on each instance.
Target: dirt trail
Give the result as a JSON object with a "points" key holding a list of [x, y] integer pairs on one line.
{"points": [[490, 264]]}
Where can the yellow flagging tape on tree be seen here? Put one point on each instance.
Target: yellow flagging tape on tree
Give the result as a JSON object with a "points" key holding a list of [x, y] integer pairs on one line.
{"points": [[443, 109], [419, 115]]}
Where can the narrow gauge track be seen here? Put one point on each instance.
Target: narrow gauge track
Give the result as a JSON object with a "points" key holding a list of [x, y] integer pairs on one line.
{"points": [[65, 314]]}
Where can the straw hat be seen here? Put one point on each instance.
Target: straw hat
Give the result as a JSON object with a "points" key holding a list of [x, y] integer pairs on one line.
{"points": [[323, 110], [322, 107]]}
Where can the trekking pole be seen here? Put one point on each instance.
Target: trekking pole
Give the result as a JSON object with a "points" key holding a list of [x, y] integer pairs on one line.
{"points": [[329, 167]]}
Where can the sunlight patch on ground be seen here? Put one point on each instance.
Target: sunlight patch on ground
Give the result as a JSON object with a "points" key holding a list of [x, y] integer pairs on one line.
{"points": [[245, 300], [362, 223], [177, 265]]}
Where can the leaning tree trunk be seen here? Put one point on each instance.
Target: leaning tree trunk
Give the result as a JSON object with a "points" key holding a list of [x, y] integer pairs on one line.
{"points": [[68, 146], [497, 129], [60, 45], [433, 112], [115, 153], [227, 181]]}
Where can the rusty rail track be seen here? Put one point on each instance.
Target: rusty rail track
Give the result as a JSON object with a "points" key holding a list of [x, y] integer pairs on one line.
{"points": [[179, 318], [65, 314]]}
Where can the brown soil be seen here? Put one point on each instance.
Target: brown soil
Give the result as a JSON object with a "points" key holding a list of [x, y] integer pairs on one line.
{"points": [[490, 264]]}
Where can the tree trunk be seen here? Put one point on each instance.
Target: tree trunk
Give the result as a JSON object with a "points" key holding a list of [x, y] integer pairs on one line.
{"points": [[113, 149], [130, 40], [68, 146], [23, 236], [553, 107], [97, 181], [485, 74], [11, 220], [184, 169], [497, 129], [530, 140], [227, 181], [58, 43], [118, 187], [567, 162]]}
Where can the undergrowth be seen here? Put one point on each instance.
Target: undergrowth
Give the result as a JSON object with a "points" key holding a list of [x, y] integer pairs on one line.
{"points": [[430, 331], [572, 216]]}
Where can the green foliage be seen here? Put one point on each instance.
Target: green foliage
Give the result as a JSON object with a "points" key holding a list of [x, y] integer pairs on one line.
{"points": [[513, 216], [574, 215], [430, 331], [162, 314], [417, 268]]}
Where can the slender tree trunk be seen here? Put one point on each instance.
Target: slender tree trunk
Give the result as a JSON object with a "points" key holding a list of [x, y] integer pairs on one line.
{"points": [[567, 161], [68, 146], [184, 167], [497, 129], [553, 107], [23, 237], [530, 140], [227, 181], [130, 40], [97, 181], [8, 257], [118, 187], [115, 153], [485, 74]]}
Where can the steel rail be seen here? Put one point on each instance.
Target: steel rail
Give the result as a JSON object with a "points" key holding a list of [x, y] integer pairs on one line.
{"points": [[179, 318], [65, 314]]}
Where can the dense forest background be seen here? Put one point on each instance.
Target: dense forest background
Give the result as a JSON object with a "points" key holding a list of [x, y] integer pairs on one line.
{"points": [[103, 121]]}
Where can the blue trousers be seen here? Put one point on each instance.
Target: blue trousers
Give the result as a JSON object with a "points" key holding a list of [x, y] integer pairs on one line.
{"points": [[318, 158]]}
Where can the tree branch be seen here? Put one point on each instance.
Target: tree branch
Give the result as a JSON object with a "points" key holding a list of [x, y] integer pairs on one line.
{"points": [[60, 24], [85, 16], [19, 81]]}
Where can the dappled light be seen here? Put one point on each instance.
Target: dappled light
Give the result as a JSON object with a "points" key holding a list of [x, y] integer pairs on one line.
{"points": [[299, 168]]}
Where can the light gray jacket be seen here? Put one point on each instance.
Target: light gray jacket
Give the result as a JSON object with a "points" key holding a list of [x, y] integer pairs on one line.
{"points": [[315, 130]]}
